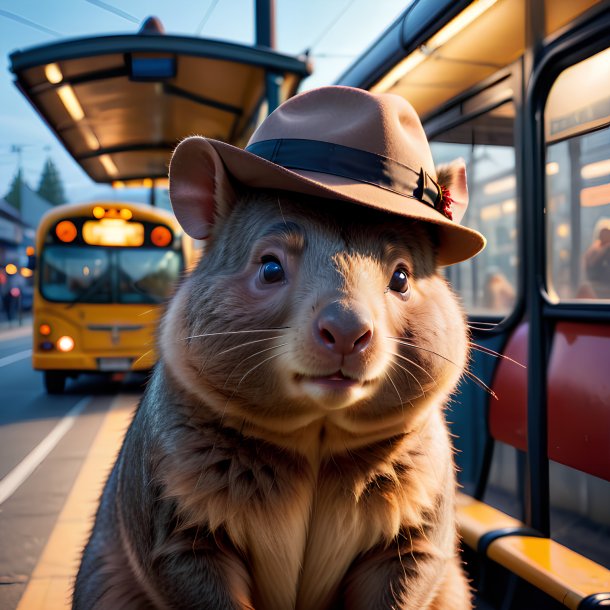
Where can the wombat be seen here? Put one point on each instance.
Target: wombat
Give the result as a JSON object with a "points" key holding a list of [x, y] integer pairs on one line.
{"points": [[290, 450]]}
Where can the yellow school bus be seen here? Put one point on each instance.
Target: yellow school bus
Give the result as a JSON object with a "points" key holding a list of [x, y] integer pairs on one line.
{"points": [[103, 273]]}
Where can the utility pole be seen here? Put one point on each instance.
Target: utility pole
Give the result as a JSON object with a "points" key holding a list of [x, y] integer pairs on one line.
{"points": [[18, 148], [265, 37]]}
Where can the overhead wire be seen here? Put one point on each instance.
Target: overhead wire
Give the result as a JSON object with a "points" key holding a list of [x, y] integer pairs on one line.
{"points": [[112, 9], [205, 18], [330, 25], [32, 24]]}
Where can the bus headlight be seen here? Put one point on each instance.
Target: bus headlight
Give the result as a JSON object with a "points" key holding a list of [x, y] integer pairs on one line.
{"points": [[65, 344]]}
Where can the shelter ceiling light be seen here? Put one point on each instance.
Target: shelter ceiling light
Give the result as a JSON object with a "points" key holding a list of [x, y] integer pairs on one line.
{"points": [[90, 138], [461, 21], [401, 69], [109, 165], [70, 101], [458, 23], [53, 74]]}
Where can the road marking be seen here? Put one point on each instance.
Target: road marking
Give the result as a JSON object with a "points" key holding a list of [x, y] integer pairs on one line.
{"points": [[52, 581], [16, 477], [26, 353]]}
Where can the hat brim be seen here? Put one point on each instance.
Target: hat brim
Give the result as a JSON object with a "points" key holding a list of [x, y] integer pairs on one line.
{"points": [[456, 243]]}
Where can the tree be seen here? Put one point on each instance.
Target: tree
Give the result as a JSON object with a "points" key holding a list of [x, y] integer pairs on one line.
{"points": [[51, 187], [14, 194]]}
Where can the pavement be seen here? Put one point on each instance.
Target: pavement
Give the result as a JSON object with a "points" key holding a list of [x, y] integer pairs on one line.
{"points": [[11, 329], [52, 581]]}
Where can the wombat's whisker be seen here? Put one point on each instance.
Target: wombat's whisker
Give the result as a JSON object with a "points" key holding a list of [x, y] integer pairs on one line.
{"points": [[237, 332], [406, 370], [421, 368], [148, 311], [480, 383], [281, 211], [466, 372], [482, 325], [403, 341], [142, 356], [260, 364], [230, 349], [262, 351], [394, 386], [490, 352]]}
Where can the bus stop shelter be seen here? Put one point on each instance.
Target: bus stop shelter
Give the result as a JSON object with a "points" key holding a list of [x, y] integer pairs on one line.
{"points": [[121, 103]]}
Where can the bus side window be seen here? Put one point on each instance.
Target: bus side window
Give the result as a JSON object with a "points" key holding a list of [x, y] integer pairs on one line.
{"points": [[577, 134], [488, 282]]}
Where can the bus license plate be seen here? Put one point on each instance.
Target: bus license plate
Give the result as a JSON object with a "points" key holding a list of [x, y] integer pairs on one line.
{"points": [[114, 364]]}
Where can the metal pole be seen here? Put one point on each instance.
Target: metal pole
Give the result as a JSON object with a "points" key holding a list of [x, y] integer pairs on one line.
{"points": [[537, 500], [265, 37], [265, 23]]}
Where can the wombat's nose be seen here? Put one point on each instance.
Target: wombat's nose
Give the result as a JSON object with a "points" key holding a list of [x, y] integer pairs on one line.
{"points": [[343, 329]]}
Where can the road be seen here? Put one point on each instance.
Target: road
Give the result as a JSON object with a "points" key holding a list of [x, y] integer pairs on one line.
{"points": [[44, 441]]}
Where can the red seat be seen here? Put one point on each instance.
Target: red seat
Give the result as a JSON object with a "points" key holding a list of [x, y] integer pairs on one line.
{"points": [[579, 398]]}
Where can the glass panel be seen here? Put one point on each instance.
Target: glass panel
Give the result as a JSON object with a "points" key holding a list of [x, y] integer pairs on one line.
{"points": [[147, 276], [577, 131], [506, 479], [100, 275], [72, 273], [488, 282], [580, 518]]}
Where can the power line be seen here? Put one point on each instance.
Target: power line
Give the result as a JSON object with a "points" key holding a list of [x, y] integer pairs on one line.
{"points": [[206, 17], [331, 24], [31, 24], [113, 9], [333, 55]]}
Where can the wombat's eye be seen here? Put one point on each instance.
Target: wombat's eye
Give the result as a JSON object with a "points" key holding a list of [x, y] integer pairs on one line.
{"points": [[271, 270], [399, 281]]}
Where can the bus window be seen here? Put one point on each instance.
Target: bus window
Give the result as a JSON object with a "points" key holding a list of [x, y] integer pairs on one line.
{"points": [[86, 275], [577, 133], [487, 283], [77, 273], [147, 276]]}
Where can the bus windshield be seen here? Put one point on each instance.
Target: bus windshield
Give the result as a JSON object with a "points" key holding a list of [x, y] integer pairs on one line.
{"points": [[84, 274]]}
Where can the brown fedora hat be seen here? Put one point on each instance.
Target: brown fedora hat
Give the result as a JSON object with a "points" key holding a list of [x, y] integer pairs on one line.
{"points": [[348, 144]]}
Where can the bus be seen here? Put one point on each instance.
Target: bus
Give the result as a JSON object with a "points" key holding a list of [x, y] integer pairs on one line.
{"points": [[103, 273], [521, 90]]}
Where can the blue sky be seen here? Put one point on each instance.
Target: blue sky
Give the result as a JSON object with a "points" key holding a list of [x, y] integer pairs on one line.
{"points": [[336, 31]]}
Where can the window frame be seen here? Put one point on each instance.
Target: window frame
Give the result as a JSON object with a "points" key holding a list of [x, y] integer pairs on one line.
{"points": [[548, 62], [565, 52], [506, 85]]}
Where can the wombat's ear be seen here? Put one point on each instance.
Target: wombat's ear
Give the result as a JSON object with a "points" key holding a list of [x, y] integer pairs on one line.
{"points": [[199, 187], [453, 177]]}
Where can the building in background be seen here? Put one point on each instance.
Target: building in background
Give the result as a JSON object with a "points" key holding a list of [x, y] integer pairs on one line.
{"points": [[17, 231]]}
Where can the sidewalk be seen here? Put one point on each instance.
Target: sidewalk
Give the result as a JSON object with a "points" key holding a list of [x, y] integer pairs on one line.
{"points": [[50, 586], [11, 329]]}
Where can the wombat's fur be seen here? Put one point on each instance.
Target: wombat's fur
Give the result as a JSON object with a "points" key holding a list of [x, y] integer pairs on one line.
{"points": [[290, 450]]}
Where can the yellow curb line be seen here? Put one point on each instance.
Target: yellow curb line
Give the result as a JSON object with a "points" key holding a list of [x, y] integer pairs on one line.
{"points": [[50, 586]]}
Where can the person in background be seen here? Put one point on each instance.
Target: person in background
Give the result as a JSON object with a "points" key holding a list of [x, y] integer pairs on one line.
{"points": [[597, 260], [498, 293]]}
